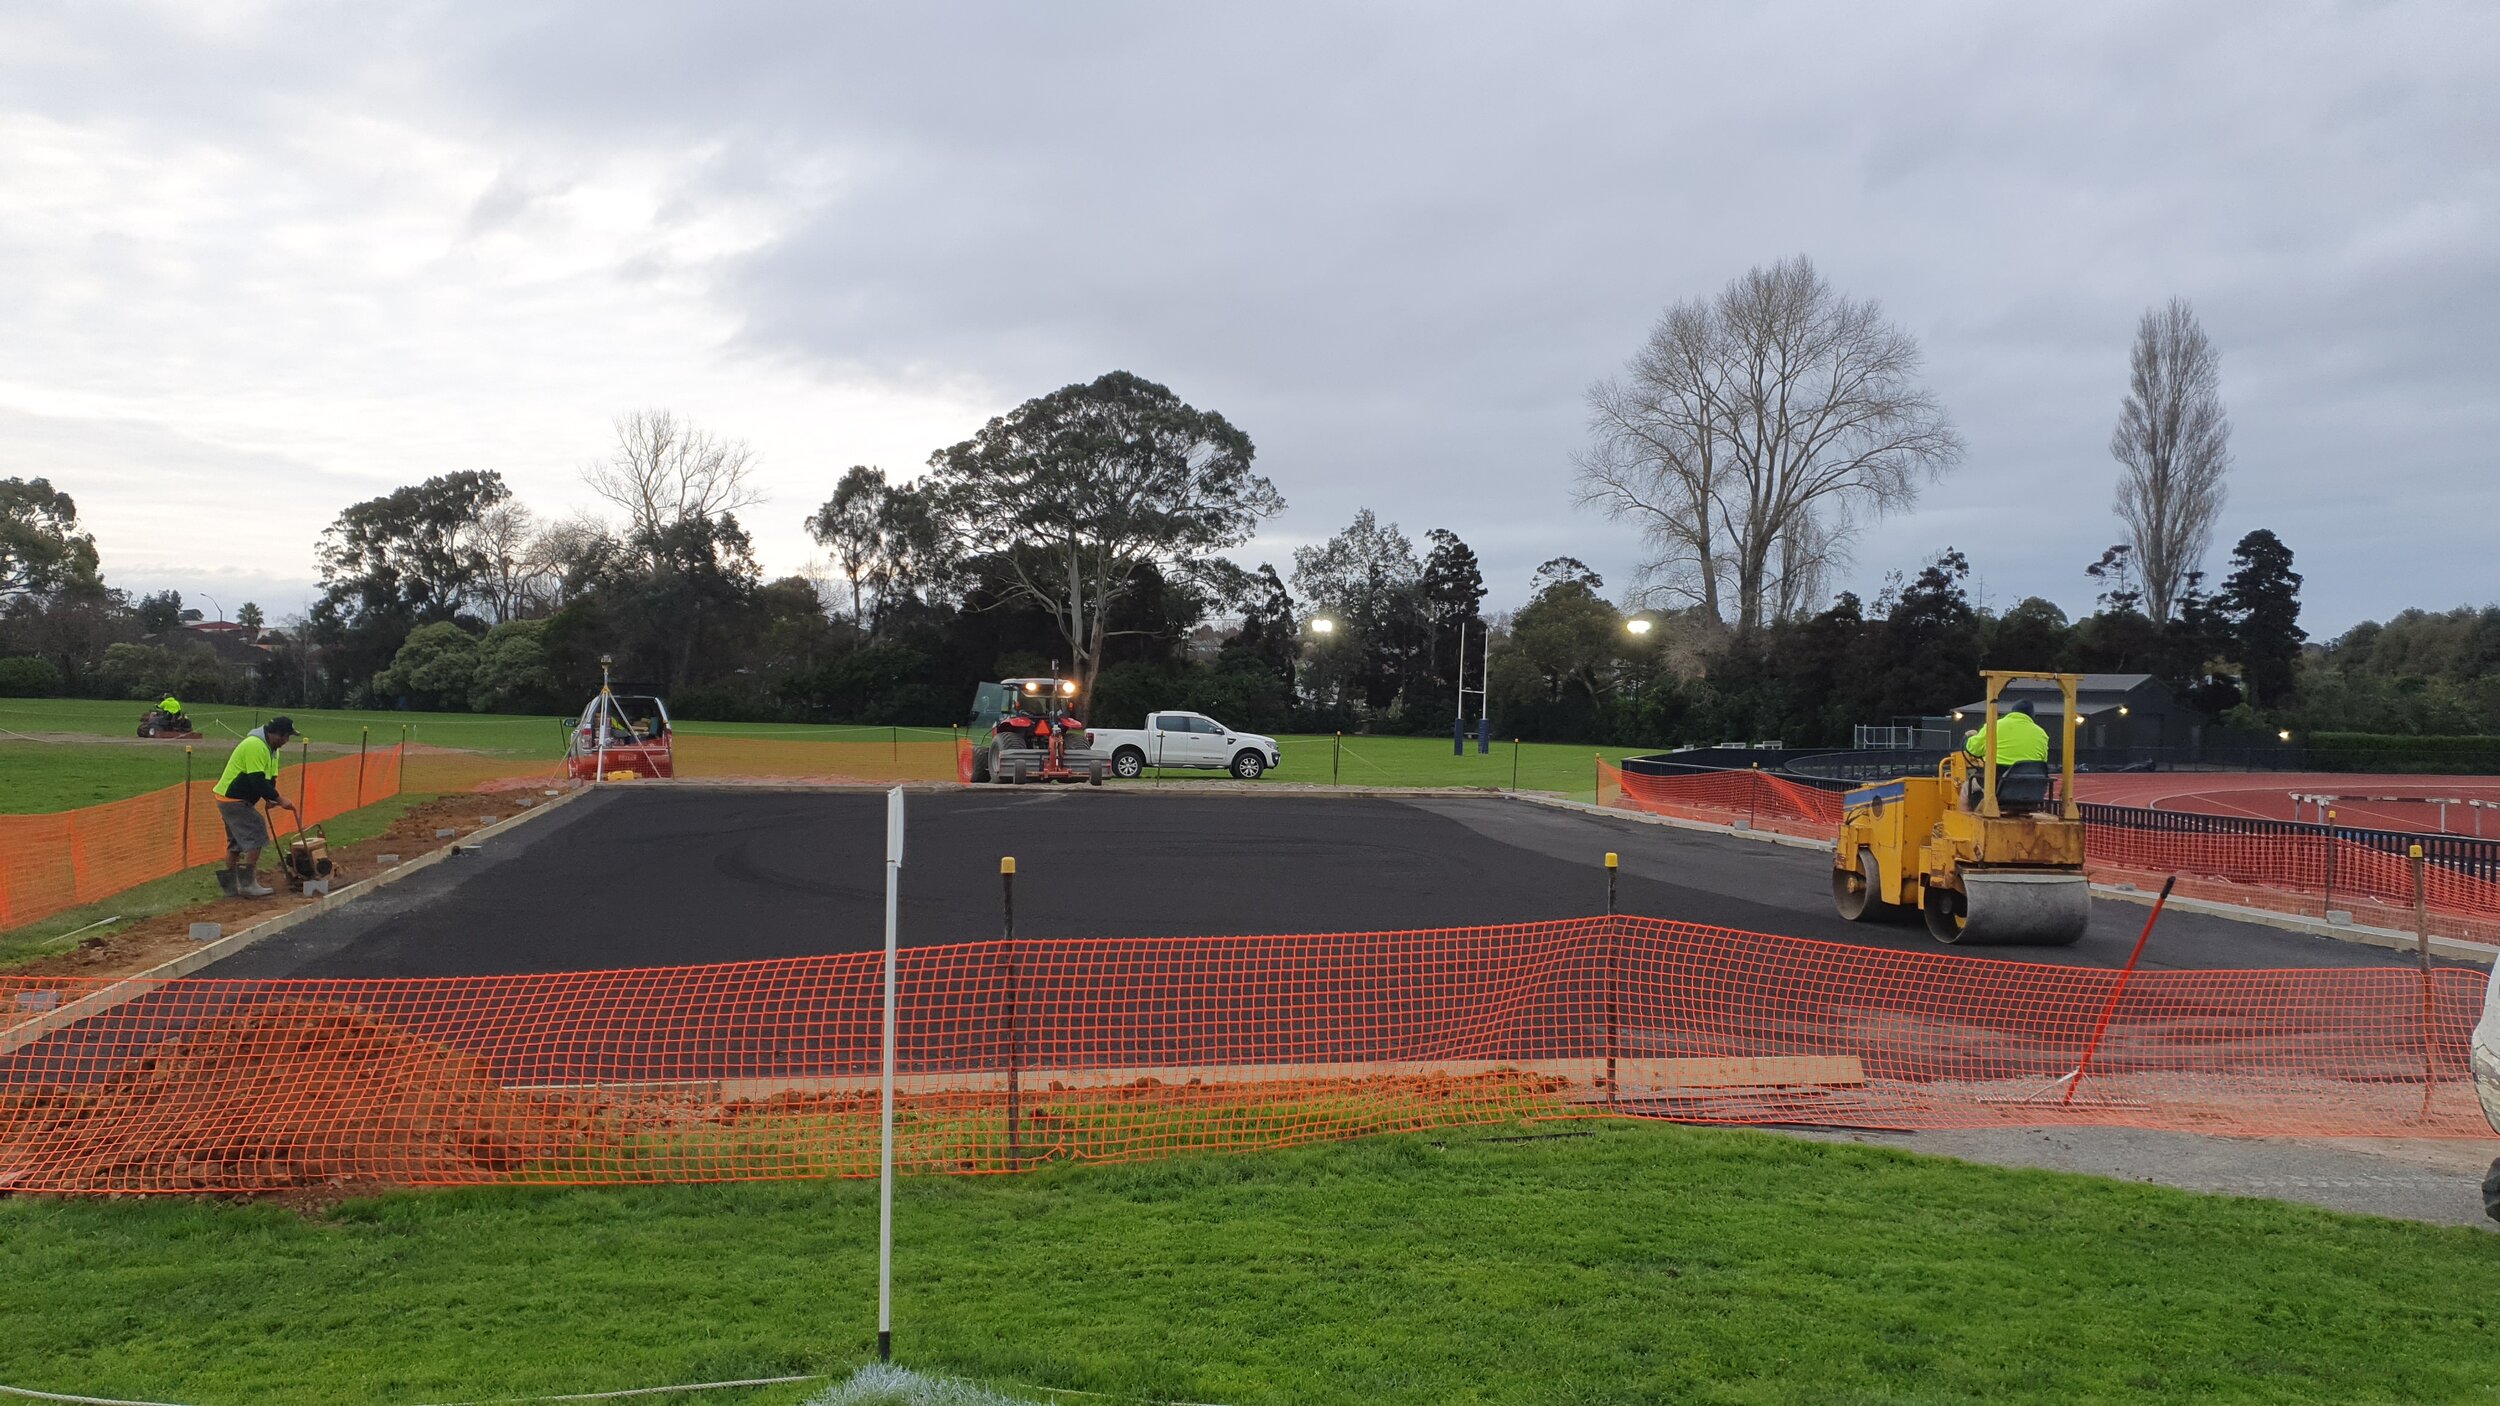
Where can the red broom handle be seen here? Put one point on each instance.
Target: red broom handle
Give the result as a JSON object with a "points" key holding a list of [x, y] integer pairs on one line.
{"points": [[2102, 1027]]}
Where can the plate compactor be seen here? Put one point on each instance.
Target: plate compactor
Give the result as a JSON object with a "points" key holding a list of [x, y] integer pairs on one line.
{"points": [[306, 862], [1987, 853]]}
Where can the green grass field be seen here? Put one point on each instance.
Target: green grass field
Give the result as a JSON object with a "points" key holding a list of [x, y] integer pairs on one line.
{"points": [[45, 776], [1596, 1264], [1564, 767], [501, 734]]}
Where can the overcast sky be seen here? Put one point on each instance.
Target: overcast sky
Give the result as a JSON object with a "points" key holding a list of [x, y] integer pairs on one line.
{"points": [[262, 262]]}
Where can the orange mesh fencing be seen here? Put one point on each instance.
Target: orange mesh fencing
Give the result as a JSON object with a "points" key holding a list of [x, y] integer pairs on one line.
{"points": [[54, 862], [1753, 798], [2308, 874], [2286, 870], [1015, 1054]]}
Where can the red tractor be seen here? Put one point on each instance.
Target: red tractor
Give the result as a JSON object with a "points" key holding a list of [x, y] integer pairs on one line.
{"points": [[1026, 732]]}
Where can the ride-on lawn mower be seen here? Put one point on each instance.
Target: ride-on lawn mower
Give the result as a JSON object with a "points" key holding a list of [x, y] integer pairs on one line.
{"points": [[175, 727], [1026, 732]]}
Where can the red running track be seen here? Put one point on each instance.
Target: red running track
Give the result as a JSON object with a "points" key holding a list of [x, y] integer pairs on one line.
{"points": [[2268, 796]]}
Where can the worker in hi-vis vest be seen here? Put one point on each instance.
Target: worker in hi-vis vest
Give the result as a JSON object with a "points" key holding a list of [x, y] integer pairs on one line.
{"points": [[2019, 739], [250, 781]]}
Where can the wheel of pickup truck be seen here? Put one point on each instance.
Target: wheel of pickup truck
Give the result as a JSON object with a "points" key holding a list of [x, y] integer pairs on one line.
{"points": [[1128, 763], [1248, 765]]}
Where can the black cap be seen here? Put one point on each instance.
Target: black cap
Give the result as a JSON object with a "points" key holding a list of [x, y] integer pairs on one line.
{"points": [[277, 725], [2023, 706]]}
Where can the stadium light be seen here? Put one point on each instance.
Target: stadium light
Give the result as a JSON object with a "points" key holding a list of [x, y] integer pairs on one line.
{"points": [[2285, 734], [1322, 625], [1639, 624]]}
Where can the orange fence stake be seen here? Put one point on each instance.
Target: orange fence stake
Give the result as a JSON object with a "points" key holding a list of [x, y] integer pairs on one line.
{"points": [[2422, 947], [1015, 1034], [182, 852]]}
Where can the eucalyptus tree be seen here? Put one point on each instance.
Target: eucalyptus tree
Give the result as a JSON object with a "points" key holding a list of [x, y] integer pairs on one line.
{"points": [[1071, 496]]}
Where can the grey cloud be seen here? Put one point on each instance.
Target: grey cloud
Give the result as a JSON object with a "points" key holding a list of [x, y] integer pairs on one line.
{"points": [[1395, 243]]}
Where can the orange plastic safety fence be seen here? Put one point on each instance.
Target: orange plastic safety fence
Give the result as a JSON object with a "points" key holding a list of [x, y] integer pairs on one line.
{"points": [[54, 862], [2306, 873], [1015, 1054], [1756, 799], [2292, 872]]}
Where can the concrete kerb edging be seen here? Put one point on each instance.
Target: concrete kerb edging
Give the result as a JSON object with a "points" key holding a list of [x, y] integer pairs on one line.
{"points": [[2452, 949], [130, 988]]}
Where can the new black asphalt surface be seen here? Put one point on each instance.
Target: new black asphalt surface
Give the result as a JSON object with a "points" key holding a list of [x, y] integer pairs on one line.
{"points": [[664, 876]]}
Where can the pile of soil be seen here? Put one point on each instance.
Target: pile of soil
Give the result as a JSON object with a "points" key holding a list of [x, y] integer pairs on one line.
{"points": [[282, 1096]]}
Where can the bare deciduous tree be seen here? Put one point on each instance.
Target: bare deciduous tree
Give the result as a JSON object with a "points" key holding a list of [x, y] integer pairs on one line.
{"points": [[512, 586], [664, 471], [1654, 457], [1752, 431], [569, 556], [2175, 441]]}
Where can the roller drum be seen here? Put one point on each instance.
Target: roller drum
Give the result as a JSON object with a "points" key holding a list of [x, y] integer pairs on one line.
{"points": [[2009, 907]]}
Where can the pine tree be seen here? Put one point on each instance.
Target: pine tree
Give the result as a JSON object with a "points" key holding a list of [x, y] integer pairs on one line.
{"points": [[1453, 591], [2261, 601]]}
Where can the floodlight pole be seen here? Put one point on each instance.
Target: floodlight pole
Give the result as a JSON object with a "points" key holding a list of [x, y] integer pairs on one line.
{"points": [[885, 1116]]}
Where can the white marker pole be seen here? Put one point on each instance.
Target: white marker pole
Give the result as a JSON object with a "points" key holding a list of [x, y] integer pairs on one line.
{"points": [[885, 1120]]}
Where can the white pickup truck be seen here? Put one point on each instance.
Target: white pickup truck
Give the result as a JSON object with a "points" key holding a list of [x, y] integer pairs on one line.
{"points": [[1184, 740]]}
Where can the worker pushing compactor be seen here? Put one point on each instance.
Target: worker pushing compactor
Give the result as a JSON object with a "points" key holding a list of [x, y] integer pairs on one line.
{"points": [[1989, 849]]}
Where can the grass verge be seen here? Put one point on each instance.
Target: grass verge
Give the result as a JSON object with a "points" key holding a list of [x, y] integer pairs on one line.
{"points": [[1565, 768], [1611, 1263]]}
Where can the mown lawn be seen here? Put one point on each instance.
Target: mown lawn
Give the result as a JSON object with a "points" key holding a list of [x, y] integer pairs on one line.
{"points": [[58, 774], [1567, 768], [41, 776], [44, 776], [1595, 1264]]}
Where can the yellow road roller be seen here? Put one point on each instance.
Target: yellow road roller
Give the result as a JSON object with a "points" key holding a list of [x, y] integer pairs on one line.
{"points": [[1987, 853]]}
